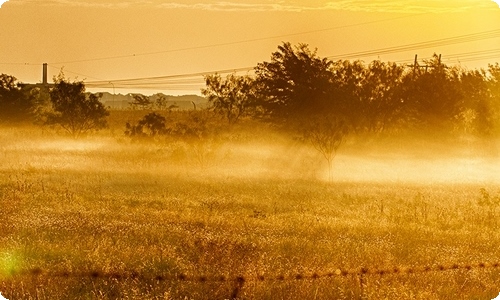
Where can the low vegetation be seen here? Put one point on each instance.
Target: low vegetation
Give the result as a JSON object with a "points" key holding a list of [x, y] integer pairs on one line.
{"points": [[235, 201], [148, 214]]}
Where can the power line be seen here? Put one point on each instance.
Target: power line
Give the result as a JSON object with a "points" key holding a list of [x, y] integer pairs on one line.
{"points": [[235, 42], [163, 79], [167, 80], [18, 64], [422, 45], [71, 72]]}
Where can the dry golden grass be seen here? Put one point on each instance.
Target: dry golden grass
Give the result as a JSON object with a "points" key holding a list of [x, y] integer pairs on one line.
{"points": [[148, 221]]}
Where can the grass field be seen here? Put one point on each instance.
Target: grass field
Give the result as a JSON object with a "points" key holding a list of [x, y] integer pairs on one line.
{"points": [[101, 218]]}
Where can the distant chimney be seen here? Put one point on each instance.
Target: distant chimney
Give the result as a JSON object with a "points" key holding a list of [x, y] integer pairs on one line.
{"points": [[44, 78]]}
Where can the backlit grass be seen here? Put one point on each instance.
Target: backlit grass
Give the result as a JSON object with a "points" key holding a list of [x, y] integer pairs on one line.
{"points": [[146, 210]]}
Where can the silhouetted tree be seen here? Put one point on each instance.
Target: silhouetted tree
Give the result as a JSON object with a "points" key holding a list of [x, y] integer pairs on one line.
{"points": [[476, 110], [15, 104], [73, 110], [326, 134], [369, 97], [150, 126], [230, 97], [142, 102], [161, 102], [494, 87], [348, 81], [431, 95], [296, 82], [381, 95]]}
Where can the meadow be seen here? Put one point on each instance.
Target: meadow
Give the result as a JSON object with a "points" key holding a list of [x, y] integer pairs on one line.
{"points": [[249, 217]]}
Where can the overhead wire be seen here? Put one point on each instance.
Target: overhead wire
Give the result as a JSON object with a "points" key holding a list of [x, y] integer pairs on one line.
{"points": [[179, 81], [184, 79], [236, 42], [64, 70], [195, 79], [421, 45]]}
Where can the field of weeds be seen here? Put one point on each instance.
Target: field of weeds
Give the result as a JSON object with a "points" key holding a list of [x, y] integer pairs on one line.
{"points": [[103, 218]]}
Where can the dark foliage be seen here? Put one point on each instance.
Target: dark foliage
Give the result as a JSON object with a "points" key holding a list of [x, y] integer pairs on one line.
{"points": [[141, 102], [73, 110], [150, 126], [15, 104], [296, 82], [231, 97]]}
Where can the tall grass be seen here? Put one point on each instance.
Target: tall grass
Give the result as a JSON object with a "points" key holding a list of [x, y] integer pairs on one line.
{"points": [[142, 210]]}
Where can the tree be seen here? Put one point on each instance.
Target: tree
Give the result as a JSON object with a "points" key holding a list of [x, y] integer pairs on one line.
{"points": [[296, 82], [15, 104], [230, 97], [431, 96], [150, 126], [494, 88], [368, 97], [141, 101], [381, 95], [73, 110], [348, 80], [326, 134], [476, 110]]}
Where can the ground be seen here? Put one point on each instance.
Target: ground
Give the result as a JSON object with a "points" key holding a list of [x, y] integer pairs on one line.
{"points": [[246, 218]]}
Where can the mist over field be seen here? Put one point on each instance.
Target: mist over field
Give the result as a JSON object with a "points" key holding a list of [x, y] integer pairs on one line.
{"points": [[311, 179], [252, 203], [401, 159]]}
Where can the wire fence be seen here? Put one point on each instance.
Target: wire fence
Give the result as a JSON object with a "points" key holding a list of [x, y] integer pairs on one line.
{"points": [[240, 280], [276, 277]]}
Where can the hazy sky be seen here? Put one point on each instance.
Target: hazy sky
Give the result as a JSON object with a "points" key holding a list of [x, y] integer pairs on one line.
{"points": [[110, 40]]}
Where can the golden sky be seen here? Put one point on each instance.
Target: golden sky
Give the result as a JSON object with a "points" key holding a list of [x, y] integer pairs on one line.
{"points": [[108, 40]]}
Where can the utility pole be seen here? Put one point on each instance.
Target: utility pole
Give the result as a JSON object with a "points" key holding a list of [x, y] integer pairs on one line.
{"points": [[113, 94], [416, 66]]}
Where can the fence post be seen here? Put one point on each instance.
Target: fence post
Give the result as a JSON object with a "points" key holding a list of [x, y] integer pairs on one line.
{"points": [[240, 281], [361, 281]]}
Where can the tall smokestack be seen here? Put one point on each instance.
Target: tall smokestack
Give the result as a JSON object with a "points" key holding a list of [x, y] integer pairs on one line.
{"points": [[44, 78]]}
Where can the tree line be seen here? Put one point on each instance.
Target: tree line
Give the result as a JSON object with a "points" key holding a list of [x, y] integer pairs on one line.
{"points": [[297, 87], [300, 91]]}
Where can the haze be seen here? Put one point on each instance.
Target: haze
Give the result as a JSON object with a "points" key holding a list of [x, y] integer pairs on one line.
{"points": [[249, 149], [110, 40]]}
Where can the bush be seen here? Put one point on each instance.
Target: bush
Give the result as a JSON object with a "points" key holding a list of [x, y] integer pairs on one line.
{"points": [[149, 127]]}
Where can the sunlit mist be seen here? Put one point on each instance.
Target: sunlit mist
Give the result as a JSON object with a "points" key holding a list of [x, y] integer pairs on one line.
{"points": [[249, 149]]}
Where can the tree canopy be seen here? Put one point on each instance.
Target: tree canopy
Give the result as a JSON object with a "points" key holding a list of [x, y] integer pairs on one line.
{"points": [[15, 103], [294, 83], [73, 110], [230, 97], [297, 84]]}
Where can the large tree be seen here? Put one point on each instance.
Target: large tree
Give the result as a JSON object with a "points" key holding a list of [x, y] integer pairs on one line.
{"points": [[74, 110], [295, 83], [230, 97], [475, 115], [15, 104], [381, 95], [494, 88], [431, 94], [348, 82]]}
